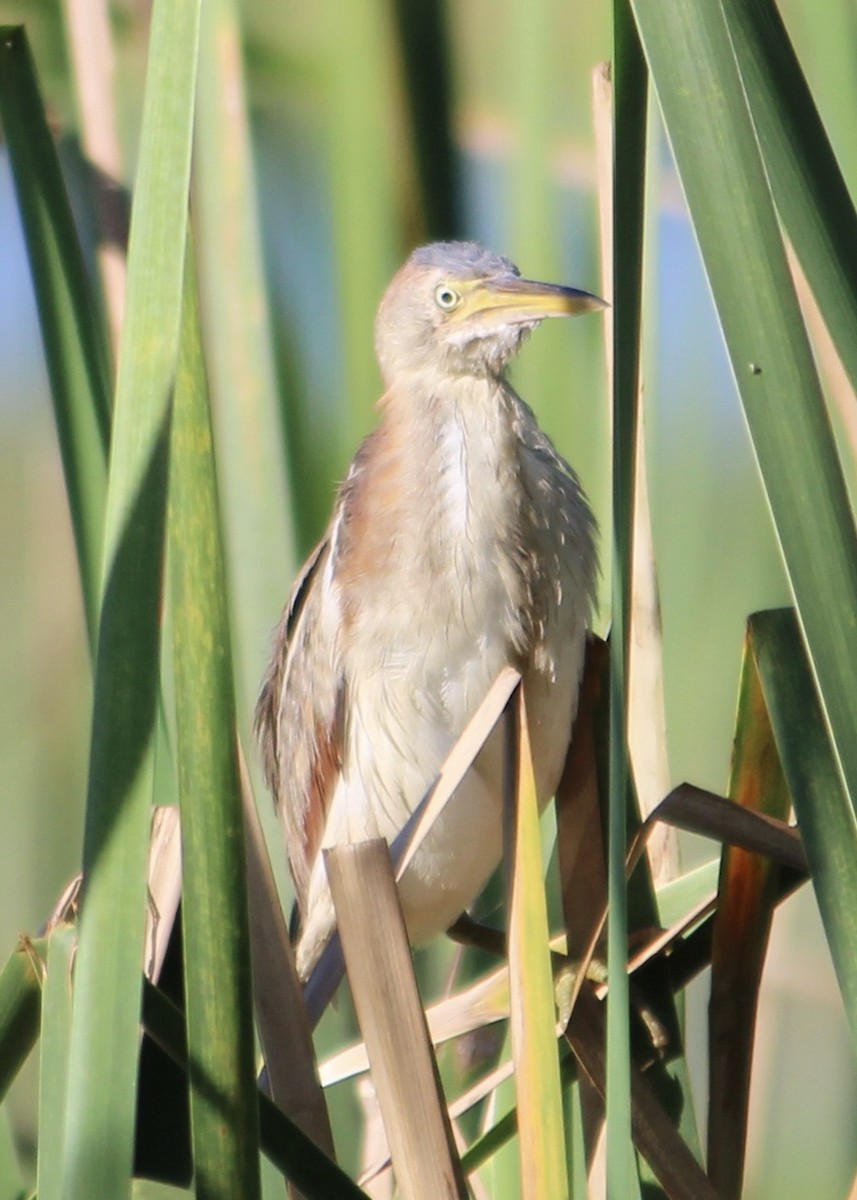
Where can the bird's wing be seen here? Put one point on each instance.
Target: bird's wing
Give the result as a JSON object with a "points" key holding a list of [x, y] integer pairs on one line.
{"points": [[298, 721]]}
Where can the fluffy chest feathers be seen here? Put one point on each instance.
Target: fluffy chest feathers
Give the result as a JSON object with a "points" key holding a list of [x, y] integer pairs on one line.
{"points": [[433, 515], [464, 544]]}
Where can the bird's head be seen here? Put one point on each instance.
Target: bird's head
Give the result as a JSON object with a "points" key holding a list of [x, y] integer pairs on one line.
{"points": [[455, 308]]}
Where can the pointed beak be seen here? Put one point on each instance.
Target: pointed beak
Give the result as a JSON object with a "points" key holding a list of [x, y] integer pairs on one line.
{"points": [[524, 300]]}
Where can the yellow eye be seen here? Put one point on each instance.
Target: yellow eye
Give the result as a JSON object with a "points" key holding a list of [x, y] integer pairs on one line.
{"points": [[446, 297]]}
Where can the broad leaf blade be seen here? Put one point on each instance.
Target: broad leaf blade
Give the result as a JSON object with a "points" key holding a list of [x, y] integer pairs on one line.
{"points": [[287, 1147], [533, 1013], [214, 897], [53, 1059], [73, 337], [825, 815], [105, 1021], [810, 192], [20, 1006], [252, 464], [630, 94], [714, 144]]}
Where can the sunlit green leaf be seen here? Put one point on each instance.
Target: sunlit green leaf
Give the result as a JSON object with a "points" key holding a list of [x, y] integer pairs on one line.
{"points": [[104, 1044], [214, 896]]}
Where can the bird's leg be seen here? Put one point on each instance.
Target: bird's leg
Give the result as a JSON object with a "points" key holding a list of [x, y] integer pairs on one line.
{"points": [[467, 931], [566, 972]]}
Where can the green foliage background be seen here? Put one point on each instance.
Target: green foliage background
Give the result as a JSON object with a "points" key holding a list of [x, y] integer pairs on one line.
{"points": [[339, 207]]}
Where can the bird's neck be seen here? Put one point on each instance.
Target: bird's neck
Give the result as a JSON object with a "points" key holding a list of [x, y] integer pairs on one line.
{"points": [[483, 406], [464, 434], [436, 499]]}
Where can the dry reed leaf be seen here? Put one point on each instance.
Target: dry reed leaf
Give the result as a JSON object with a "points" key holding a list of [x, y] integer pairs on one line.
{"points": [[580, 844], [742, 923], [580, 852], [376, 1178], [480, 1004], [67, 907], [392, 1021], [164, 884], [698, 811], [646, 710], [281, 1015], [665, 938], [456, 765], [602, 113], [91, 46]]}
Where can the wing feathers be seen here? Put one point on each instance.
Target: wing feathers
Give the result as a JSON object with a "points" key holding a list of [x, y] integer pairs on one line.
{"points": [[297, 722]]}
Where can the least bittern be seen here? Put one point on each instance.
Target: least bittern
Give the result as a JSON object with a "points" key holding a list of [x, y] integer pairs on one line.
{"points": [[459, 542]]}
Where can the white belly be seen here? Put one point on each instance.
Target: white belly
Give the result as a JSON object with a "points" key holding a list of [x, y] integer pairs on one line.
{"points": [[392, 765]]}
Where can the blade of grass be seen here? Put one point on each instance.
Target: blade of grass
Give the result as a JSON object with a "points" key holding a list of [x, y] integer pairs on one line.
{"points": [[69, 318], [532, 222], [20, 1007], [290, 1150], [75, 348], [741, 928], [834, 377], [362, 133], [252, 465], [672, 1163], [541, 1136], [714, 144], [646, 716], [214, 895], [825, 816], [580, 839], [808, 186], [105, 1020], [53, 1059], [629, 148]]}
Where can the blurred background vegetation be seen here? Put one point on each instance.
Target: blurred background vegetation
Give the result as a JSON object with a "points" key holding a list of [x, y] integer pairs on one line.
{"points": [[339, 207]]}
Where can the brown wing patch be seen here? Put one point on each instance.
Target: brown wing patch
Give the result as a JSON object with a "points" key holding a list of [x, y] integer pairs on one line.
{"points": [[375, 500], [266, 717], [324, 773], [297, 717]]}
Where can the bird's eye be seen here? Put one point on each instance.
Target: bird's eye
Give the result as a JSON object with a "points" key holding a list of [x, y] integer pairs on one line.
{"points": [[446, 297]]}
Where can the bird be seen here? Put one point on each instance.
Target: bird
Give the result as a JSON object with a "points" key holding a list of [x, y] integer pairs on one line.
{"points": [[460, 542]]}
